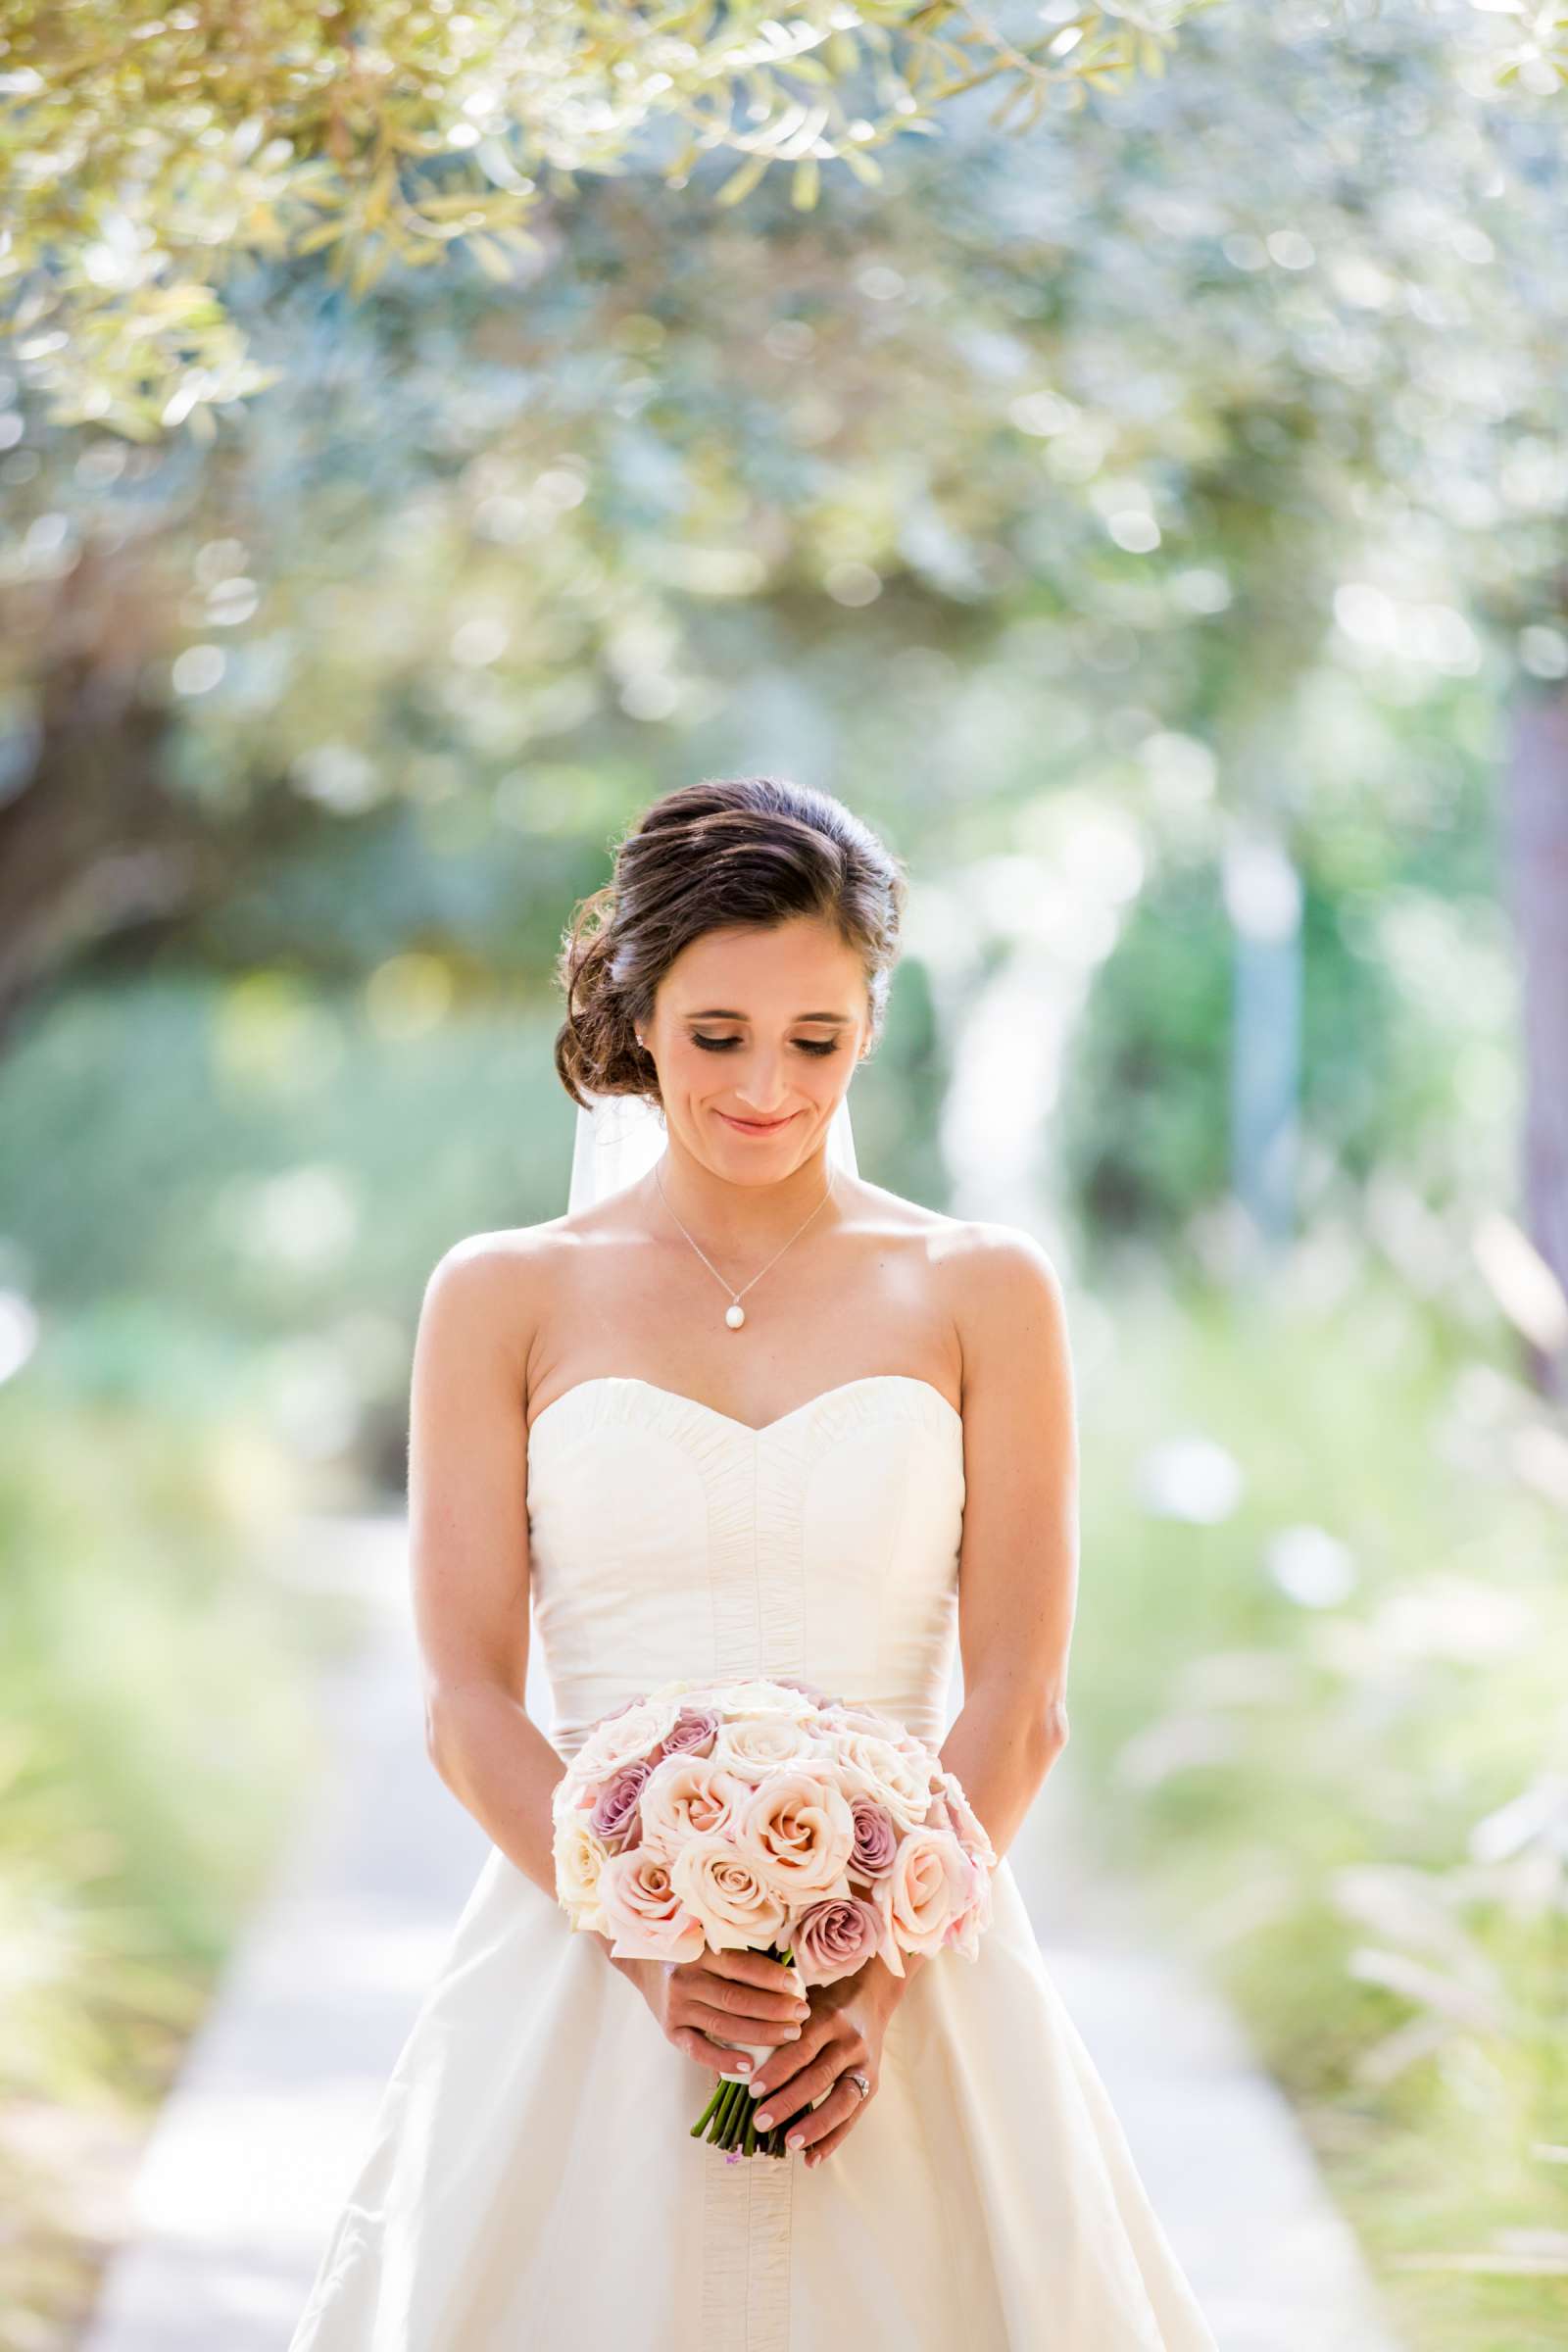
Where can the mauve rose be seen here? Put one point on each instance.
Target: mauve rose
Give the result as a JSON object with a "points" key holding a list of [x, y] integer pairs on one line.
{"points": [[876, 1838], [833, 1938], [614, 1818], [694, 1734]]}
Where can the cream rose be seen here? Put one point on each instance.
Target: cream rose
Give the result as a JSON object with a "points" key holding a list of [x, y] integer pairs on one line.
{"points": [[967, 1826], [797, 1829], [678, 1687], [760, 1696], [760, 1745], [966, 1926], [625, 1738], [893, 1779], [737, 1908], [930, 1881], [642, 1910], [580, 1859], [843, 1717], [687, 1796]]}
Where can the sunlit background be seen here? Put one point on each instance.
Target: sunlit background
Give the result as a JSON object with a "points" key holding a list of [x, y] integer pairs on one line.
{"points": [[1148, 512]]}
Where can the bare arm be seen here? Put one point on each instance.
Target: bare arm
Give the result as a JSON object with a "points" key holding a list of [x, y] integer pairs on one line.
{"points": [[469, 1550], [1019, 1561], [468, 1553]]}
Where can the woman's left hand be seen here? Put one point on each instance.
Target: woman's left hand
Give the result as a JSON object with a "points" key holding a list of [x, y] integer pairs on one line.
{"points": [[845, 2029]]}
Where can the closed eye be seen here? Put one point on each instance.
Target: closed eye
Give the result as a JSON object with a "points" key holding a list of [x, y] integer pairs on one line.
{"points": [[721, 1045]]}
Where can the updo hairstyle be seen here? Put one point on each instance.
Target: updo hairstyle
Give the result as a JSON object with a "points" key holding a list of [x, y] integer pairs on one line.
{"points": [[732, 849]]}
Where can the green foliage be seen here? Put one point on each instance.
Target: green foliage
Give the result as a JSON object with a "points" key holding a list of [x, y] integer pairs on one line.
{"points": [[275, 1167], [382, 133], [1408, 1005], [157, 1742], [1069, 444], [1308, 1714], [1143, 1125], [273, 1163]]}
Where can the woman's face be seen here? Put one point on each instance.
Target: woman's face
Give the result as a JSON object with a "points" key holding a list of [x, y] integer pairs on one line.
{"points": [[755, 1034]]}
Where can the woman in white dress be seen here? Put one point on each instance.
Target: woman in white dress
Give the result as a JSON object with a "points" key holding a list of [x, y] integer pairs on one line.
{"points": [[740, 1413]]}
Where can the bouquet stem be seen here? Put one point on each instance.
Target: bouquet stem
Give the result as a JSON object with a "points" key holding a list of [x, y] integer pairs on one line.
{"points": [[728, 2121]]}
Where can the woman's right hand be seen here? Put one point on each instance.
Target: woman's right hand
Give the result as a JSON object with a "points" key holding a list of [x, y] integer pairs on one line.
{"points": [[724, 1997]]}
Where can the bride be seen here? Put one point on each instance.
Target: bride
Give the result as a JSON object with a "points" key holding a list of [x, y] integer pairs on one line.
{"points": [[740, 1413]]}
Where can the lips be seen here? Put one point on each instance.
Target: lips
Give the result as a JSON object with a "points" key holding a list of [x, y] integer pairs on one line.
{"points": [[753, 1126]]}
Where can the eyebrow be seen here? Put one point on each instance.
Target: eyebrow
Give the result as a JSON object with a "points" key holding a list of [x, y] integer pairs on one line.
{"points": [[724, 1013]]}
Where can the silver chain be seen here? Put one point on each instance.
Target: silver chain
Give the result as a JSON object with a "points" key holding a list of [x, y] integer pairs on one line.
{"points": [[735, 1314]]}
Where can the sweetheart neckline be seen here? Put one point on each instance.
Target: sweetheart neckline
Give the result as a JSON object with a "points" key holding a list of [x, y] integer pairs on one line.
{"points": [[751, 1429]]}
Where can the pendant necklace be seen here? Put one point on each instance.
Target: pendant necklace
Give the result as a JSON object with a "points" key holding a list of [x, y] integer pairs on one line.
{"points": [[735, 1314]]}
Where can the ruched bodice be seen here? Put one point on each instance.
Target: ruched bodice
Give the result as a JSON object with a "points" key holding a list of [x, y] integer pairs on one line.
{"points": [[667, 1539]]}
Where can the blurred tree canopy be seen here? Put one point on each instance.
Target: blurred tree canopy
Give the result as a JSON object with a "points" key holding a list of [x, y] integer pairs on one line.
{"points": [[1232, 414], [1197, 460], [144, 160]]}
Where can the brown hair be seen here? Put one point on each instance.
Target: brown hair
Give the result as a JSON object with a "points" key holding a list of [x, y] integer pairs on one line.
{"points": [[732, 849]]}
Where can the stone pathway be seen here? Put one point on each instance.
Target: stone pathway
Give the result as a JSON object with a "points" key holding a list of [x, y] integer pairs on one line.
{"points": [[257, 2145]]}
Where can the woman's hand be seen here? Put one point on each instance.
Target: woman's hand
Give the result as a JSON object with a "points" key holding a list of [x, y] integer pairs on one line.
{"points": [[848, 2019], [733, 1996]]}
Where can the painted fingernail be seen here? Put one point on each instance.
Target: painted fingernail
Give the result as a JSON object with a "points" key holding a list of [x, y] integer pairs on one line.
{"points": [[757, 2089], [793, 2140], [763, 2121]]}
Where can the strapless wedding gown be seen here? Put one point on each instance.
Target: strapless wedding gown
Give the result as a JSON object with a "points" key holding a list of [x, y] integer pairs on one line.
{"points": [[531, 2185]]}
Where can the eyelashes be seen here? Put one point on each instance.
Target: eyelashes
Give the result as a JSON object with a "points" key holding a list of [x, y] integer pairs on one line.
{"points": [[721, 1045]]}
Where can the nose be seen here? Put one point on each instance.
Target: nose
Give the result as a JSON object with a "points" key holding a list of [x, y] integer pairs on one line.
{"points": [[765, 1089]]}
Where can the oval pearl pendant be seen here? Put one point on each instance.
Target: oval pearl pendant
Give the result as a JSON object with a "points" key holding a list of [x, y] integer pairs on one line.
{"points": [[735, 1315]]}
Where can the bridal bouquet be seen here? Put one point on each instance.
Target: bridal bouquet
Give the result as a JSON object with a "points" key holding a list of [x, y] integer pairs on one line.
{"points": [[765, 1816]]}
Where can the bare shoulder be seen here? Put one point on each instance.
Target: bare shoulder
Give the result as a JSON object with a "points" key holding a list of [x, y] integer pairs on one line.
{"points": [[494, 1286], [974, 1249], [1008, 1305], [998, 1283], [997, 1256]]}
